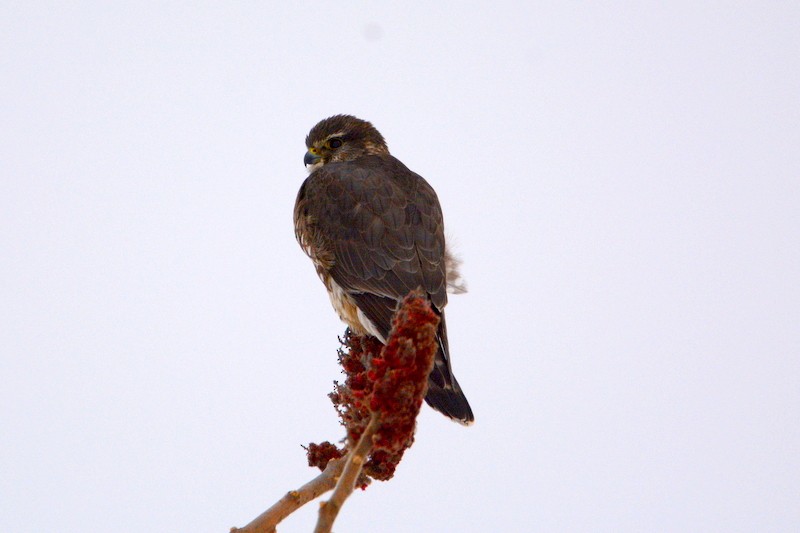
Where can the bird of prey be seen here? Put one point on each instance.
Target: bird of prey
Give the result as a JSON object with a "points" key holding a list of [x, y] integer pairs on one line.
{"points": [[374, 230]]}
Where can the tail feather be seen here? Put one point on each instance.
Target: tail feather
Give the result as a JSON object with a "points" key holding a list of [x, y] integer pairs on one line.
{"points": [[444, 392], [450, 401]]}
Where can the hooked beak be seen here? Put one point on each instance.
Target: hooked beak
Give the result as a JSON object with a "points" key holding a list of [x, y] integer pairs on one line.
{"points": [[310, 158]]}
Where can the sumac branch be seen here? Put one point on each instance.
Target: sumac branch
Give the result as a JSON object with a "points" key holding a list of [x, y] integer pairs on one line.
{"points": [[378, 404]]}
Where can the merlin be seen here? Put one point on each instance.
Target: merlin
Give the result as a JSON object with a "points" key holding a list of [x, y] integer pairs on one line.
{"points": [[375, 232]]}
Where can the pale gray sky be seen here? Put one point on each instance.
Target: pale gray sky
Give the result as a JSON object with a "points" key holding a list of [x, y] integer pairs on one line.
{"points": [[621, 180]]}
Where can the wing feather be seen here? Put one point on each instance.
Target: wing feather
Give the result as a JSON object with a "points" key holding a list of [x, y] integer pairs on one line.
{"points": [[383, 225]]}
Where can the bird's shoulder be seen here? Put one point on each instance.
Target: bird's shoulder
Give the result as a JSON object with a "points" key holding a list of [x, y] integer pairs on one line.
{"points": [[368, 172], [374, 183]]}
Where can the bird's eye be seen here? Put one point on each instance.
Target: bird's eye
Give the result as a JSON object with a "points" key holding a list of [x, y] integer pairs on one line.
{"points": [[335, 143]]}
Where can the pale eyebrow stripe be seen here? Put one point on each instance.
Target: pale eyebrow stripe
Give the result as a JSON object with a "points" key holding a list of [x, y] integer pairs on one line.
{"points": [[337, 134]]}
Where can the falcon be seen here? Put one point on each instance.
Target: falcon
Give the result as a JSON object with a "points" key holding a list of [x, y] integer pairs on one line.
{"points": [[375, 232]]}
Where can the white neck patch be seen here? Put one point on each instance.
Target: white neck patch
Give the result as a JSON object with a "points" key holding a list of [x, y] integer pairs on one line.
{"points": [[315, 166]]}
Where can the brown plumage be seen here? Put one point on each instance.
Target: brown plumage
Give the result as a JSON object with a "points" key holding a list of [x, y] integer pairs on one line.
{"points": [[375, 232]]}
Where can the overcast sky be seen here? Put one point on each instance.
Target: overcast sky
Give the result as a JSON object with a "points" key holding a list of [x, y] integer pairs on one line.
{"points": [[622, 181]]}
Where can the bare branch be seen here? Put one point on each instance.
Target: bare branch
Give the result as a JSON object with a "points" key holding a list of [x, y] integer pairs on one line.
{"points": [[293, 500], [329, 510]]}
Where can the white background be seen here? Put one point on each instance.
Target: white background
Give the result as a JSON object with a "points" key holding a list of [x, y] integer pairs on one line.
{"points": [[621, 179]]}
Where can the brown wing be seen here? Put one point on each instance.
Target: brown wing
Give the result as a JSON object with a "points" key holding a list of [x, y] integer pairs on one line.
{"points": [[382, 226]]}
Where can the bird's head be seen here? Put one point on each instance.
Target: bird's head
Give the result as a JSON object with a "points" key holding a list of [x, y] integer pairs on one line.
{"points": [[342, 138]]}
